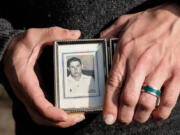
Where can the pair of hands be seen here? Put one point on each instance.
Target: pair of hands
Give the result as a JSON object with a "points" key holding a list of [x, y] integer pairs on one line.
{"points": [[147, 53]]}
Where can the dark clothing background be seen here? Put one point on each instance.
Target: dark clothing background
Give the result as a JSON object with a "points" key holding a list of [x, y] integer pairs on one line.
{"points": [[91, 17]]}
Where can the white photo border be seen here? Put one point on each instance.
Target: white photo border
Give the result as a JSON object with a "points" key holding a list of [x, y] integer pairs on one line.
{"points": [[56, 67]]}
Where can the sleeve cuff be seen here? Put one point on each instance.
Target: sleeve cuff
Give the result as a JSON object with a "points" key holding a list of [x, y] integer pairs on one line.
{"points": [[5, 38], [6, 34]]}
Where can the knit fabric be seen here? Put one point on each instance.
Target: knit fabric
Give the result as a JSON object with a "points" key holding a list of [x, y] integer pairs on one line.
{"points": [[6, 34], [5, 29], [91, 17]]}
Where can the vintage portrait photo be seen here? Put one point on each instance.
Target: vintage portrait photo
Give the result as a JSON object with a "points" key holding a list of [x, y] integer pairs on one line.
{"points": [[80, 71], [80, 78]]}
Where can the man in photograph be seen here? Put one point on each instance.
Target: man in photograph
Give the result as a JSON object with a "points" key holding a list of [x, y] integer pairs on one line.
{"points": [[78, 84]]}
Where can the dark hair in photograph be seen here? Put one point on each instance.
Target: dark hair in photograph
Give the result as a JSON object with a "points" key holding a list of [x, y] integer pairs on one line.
{"points": [[72, 59]]}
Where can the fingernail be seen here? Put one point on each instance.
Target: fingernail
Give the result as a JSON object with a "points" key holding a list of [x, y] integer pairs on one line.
{"points": [[75, 32], [109, 119], [79, 118]]}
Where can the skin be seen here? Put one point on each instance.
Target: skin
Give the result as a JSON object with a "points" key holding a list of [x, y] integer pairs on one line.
{"points": [[19, 62], [75, 69], [148, 53]]}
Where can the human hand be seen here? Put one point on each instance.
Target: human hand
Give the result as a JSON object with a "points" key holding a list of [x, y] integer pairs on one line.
{"points": [[148, 53], [19, 62]]}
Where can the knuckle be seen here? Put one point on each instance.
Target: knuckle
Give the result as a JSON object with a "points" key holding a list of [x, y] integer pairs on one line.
{"points": [[168, 104], [159, 14], [128, 99], [52, 31], [114, 82], [146, 104], [57, 31], [65, 31], [29, 35], [121, 19]]}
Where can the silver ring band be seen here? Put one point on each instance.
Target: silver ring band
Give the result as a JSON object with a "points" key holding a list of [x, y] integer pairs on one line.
{"points": [[154, 92]]}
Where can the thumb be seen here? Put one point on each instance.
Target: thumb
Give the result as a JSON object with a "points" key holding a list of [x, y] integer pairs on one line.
{"points": [[41, 37], [49, 35]]}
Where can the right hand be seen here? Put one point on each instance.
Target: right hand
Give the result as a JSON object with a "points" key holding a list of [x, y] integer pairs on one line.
{"points": [[147, 54], [19, 62]]}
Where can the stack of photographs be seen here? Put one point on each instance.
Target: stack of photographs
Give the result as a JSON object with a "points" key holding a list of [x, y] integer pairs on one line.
{"points": [[81, 68]]}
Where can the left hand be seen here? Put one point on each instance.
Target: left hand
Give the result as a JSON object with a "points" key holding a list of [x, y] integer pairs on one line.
{"points": [[148, 53], [20, 61]]}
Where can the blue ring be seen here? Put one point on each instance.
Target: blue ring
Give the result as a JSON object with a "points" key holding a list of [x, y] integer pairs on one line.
{"points": [[152, 91]]}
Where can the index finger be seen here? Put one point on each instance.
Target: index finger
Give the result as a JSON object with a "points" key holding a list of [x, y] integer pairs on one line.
{"points": [[113, 86], [37, 100]]}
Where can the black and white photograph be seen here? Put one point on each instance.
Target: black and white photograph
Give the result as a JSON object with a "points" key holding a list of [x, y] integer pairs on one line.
{"points": [[80, 71], [80, 76]]}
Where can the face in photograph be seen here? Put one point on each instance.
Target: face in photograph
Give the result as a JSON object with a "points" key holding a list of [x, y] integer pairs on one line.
{"points": [[75, 68], [78, 83]]}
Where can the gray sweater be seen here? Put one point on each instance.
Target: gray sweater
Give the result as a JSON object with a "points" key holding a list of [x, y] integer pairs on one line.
{"points": [[91, 17]]}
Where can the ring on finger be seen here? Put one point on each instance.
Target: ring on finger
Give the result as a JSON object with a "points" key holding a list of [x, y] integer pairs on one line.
{"points": [[153, 91]]}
